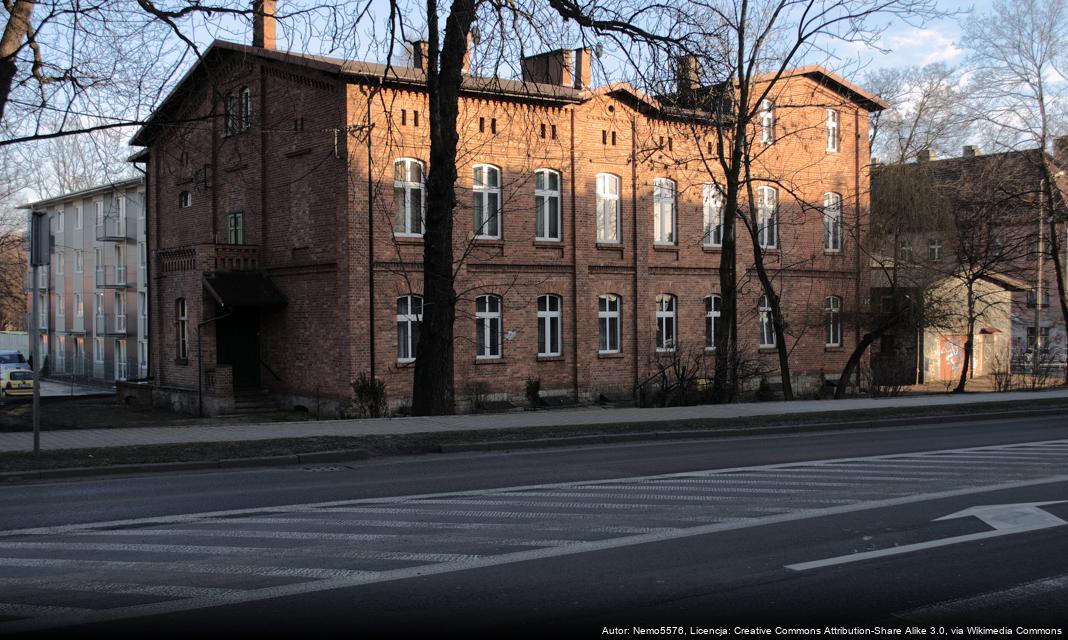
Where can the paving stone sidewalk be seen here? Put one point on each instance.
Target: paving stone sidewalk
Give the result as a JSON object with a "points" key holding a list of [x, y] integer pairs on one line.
{"points": [[589, 416]]}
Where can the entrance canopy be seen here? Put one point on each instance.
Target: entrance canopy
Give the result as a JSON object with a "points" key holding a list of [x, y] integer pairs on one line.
{"points": [[244, 289]]}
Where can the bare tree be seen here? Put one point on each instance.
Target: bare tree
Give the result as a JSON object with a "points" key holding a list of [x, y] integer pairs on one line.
{"points": [[927, 111], [1017, 57]]}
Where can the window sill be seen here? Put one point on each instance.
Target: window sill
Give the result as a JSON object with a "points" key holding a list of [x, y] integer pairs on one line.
{"points": [[833, 348], [551, 244], [407, 238], [487, 242], [611, 246], [767, 349], [181, 361], [712, 248], [609, 355], [406, 364], [832, 252], [550, 358], [490, 361], [672, 248]]}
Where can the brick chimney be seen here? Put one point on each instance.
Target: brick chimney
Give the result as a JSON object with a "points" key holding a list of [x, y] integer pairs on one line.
{"points": [[264, 23], [969, 151], [583, 64], [553, 67], [925, 156], [420, 54], [686, 76]]}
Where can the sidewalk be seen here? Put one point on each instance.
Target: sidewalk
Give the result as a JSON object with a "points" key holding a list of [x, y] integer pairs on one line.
{"points": [[590, 416]]}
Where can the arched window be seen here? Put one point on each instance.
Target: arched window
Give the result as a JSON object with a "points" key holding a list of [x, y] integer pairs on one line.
{"points": [[608, 317], [767, 325], [767, 122], [488, 326], [408, 201], [549, 325], [486, 201], [185, 199], [664, 211], [546, 204], [607, 208], [833, 312], [832, 222], [767, 217], [665, 322], [712, 315], [713, 215], [409, 319]]}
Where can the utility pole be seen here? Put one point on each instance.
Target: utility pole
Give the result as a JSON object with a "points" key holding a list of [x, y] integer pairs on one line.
{"points": [[40, 254]]}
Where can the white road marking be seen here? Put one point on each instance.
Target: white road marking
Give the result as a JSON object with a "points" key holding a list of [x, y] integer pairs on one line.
{"points": [[163, 590], [1006, 519]]}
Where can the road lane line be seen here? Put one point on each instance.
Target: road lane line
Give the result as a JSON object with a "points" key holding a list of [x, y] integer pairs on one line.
{"points": [[990, 600]]}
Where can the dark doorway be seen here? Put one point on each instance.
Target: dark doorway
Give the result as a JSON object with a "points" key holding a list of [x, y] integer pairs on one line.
{"points": [[238, 344]]}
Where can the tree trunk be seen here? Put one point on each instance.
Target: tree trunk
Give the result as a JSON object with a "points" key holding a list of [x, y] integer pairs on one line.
{"points": [[433, 392], [969, 345], [724, 381], [15, 31], [854, 361]]}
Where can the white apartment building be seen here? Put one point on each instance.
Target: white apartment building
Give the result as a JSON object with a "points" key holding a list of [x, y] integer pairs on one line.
{"points": [[93, 296]]}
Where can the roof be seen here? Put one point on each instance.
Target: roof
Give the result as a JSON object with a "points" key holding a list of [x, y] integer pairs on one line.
{"points": [[832, 81], [84, 193], [243, 289], [352, 70]]}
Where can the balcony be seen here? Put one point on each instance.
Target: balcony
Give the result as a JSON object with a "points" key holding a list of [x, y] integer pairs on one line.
{"points": [[78, 324], [209, 257], [111, 277], [112, 231], [109, 324]]}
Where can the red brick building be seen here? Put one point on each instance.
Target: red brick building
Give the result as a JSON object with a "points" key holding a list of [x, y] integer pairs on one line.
{"points": [[285, 193]]}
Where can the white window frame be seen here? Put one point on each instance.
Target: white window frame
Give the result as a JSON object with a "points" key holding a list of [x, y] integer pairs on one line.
{"points": [[121, 223], [409, 322], [486, 320], [61, 354], [245, 104], [832, 223], [98, 205], [666, 323], [185, 199], [405, 187], [79, 261], [59, 304], [98, 350], [713, 312], [120, 312], [934, 250], [832, 131], [79, 306], [122, 361], [608, 210], [833, 312], [906, 250], [544, 196], [767, 121], [61, 262], [550, 324], [768, 217], [766, 323], [664, 211], [78, 216], [59, 220], [142, 358], [487, 224], [713, 216], [98, 301], [609, 320], [235, 228]]}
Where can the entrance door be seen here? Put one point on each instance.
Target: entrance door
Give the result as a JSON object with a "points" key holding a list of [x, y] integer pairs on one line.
{"points": [[238, 343]]}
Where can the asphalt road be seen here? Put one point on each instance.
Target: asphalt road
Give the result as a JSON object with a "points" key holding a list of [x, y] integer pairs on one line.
{"points": [[840, 529]]}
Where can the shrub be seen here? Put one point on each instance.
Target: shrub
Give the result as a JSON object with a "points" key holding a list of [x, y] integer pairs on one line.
{"points": [[533, 391], [369, 397]]}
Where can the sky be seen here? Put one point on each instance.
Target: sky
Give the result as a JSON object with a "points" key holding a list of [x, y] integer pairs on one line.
{"points": [[908, 45]]}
